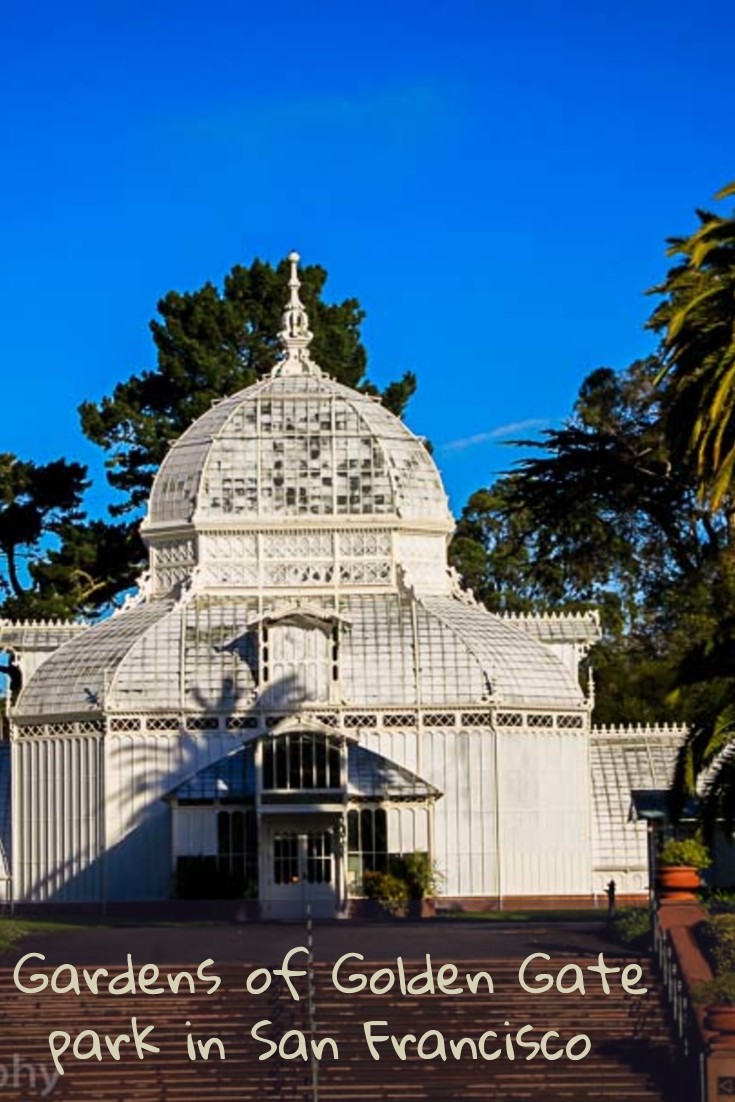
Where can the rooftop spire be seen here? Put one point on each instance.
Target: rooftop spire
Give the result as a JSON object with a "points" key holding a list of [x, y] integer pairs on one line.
{"points": [[295, 336]]}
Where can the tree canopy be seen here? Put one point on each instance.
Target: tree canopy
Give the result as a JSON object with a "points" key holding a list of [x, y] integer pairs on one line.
{"points": [[209, 343], [600, 517], [696, 319], [600, 511], [212, 343], [36, 502]]}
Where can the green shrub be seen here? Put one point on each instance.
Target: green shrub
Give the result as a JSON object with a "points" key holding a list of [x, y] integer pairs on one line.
{"points": [[389, 891], [717, 936], [418, 873], [632, 924], [687, 852], [717, 992], [371, 882], [720, 901]]}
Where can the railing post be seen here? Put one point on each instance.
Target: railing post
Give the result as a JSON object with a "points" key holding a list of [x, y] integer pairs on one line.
{"points": [[686, 1026]]}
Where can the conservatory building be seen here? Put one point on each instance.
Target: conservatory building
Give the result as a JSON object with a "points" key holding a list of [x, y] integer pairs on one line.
{"points": [[300, 693]]}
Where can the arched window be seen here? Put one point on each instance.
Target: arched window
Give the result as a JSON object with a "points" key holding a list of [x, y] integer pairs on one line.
{"points": [[297, 762]]}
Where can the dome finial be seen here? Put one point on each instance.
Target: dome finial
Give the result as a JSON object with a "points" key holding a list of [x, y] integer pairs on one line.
{"points": [[295, 336]]}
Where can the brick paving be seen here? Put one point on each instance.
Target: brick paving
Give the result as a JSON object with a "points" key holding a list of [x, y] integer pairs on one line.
{"points": [[631, 1057]]}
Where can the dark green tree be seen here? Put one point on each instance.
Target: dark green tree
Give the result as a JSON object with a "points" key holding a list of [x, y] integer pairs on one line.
{"points": [[93, 563], [211, 343], [38, 504], [494, 551], [600, 517]]}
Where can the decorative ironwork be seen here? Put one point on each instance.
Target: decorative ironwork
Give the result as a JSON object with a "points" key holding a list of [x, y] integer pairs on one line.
{"points": [[360, 719], [439, 719], [509, 719], [570, 722], [241, 723], [399, 719], [476, 719]]}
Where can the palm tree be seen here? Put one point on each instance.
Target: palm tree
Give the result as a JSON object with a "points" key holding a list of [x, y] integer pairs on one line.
{"points": [[697, 320], [705, 771]]}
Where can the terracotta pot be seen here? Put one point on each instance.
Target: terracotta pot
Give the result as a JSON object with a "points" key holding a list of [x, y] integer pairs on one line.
{"points": [[678, 882], [720, 1019]]}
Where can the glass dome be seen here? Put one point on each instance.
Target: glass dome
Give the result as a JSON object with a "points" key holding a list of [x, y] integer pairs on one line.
{"points": [[298, 481]]}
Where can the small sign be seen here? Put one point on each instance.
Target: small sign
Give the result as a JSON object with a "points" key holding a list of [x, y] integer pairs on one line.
{"points": [[726, 1085]]}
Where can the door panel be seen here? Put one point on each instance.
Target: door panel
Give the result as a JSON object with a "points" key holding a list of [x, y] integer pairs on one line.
{"points": [[300, 871]]}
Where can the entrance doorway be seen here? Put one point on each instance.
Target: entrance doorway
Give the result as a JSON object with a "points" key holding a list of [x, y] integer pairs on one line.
{"points": [[300, 870]]}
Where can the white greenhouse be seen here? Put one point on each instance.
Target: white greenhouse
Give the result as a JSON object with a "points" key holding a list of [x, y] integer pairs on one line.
{"points": [[301, 692]]}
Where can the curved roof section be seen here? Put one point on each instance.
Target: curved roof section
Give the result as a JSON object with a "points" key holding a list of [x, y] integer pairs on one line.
{"points": [[201, 655], [296, 446], [520, 670], [76, 677], [624, 759], [369, 776], [372, 776], [230, 779]]}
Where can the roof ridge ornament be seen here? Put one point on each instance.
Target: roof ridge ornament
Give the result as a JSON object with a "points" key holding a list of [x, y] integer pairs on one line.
{"points": [[295, 336]]}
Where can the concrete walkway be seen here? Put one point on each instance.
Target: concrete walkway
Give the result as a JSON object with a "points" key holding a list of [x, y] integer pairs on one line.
{"points": [[263, 943]]}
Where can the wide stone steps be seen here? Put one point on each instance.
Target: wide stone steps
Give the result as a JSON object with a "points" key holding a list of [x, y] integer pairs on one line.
{"points": [[632, 1058]]}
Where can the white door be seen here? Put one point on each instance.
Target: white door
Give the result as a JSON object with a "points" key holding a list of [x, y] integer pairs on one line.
{"points": [[300, 873]]}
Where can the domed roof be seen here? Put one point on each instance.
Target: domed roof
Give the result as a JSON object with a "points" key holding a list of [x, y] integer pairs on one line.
{"points": [[298, 535], [201, 655], [296, 445]]}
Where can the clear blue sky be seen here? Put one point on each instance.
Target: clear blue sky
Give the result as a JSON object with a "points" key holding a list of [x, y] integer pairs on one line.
{"points": [[493, 181]]}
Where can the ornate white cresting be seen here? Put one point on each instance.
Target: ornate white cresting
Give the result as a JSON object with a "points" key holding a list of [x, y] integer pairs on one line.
{"points": [[295, 336]]}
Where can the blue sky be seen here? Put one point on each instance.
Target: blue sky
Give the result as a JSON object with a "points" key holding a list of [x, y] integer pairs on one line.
{"points": [[494, 182]]}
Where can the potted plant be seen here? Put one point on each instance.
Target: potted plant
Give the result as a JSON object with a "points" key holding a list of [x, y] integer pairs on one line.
{"points": [[718, 998], [679, 866], [388, 893], [422, 880]]}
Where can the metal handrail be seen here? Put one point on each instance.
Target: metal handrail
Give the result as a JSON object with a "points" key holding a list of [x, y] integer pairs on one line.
{"points": [[680, 1005]]}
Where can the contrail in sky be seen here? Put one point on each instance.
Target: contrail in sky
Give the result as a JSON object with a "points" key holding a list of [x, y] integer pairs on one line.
{"points": [[493, 434]]}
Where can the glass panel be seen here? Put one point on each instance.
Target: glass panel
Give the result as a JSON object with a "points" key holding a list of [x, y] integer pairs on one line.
{"points": [[294, 764], [320, 755], [381, 830], [281, 763], [380, 842], [237, 853], [319, 857], [307, 759], [251, 850], [268, 775], [367, 842], [224, 847], [366, 823], [238, 833], [297, 762], [286, 859], [353, 832], [334, 765]]}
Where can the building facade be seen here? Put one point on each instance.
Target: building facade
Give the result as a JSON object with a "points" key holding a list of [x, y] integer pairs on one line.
{"points": [[301, 692]]}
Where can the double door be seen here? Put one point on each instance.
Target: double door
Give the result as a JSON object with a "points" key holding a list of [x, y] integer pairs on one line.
{"points": [[301, 870]]}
